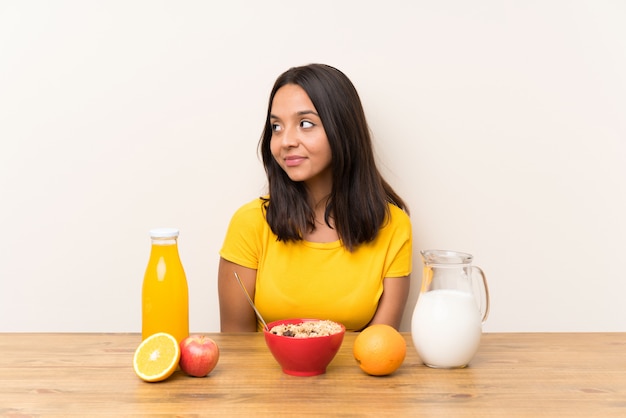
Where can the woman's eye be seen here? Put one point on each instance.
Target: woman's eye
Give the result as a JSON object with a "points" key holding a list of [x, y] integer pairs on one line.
{"points": [[276, 127], [306, 124]]}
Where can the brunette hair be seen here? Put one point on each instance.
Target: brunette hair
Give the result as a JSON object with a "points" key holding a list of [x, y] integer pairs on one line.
{"points": [[360, 196]]}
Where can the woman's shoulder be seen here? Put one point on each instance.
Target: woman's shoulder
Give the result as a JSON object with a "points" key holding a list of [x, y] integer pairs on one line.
{"points": [[250, 211], [250, 216], [397, 215], [398, 224]]}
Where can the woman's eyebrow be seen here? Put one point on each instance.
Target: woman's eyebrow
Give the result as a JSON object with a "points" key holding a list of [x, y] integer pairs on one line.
{"points": [[299, 113], [307, 112]]}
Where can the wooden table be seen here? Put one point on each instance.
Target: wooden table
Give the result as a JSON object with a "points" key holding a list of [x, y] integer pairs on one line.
{"points": [[512, 375]]}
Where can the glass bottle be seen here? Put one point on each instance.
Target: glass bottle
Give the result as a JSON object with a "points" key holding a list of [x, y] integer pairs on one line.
{"points": [[165, 295]]}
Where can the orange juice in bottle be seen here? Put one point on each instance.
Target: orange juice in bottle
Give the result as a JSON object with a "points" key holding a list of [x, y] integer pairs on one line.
{"points": [[165, 296]]}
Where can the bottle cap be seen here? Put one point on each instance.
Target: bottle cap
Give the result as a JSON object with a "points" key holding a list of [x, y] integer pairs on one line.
{"points": [[164, 233]]}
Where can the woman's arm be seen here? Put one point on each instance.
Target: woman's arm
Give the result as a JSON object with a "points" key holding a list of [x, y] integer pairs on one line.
{"points": [[236, 314], [392, 301]]}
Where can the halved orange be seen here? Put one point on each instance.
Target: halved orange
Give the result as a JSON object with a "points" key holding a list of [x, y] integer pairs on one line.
{"points": [[157, 357]]}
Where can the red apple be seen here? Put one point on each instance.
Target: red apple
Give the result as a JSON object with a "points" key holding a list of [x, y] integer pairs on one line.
{"points": [[198, 355]]}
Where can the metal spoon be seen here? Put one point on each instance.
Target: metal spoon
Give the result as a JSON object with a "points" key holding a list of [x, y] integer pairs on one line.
{"points": [[258, 314]]}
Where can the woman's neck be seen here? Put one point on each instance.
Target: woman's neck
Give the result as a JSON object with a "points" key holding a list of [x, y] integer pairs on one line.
{"points": [[319, 193], [319, 190]]}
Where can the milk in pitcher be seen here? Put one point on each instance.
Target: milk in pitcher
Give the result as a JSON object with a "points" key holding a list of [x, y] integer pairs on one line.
{"points": [[446, 328]]}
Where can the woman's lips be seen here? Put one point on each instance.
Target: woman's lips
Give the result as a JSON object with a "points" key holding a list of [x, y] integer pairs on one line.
{"points": [[294, 160]]}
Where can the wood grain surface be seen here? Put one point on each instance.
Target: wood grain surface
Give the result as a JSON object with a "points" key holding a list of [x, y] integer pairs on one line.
{"points": [[512, 375]]}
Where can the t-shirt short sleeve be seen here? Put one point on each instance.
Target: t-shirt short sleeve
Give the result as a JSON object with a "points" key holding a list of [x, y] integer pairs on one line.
{"points": [[243, 241]]}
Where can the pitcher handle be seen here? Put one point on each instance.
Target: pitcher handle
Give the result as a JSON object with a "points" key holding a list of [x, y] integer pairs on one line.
{"points": [[483, 309]]}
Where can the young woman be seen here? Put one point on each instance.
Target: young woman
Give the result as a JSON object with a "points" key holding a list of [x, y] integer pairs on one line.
{"points": [[331, 240]]}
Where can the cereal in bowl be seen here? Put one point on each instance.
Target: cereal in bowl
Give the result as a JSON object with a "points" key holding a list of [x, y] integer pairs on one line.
{"points": [[307, 329]]}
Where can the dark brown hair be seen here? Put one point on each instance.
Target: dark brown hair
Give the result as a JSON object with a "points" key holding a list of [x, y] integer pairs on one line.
{"points": [[359, 198]]}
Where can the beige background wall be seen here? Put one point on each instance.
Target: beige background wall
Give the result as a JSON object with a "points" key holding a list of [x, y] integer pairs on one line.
{"points": [[502, 123]]}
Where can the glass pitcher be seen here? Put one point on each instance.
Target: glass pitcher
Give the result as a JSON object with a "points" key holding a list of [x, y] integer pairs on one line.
{"points": [[452, 306]]}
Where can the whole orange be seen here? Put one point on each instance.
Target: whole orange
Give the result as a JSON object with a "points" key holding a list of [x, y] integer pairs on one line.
{"points": [[379, 350]]}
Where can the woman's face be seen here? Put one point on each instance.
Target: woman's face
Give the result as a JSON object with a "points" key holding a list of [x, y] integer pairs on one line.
{"points": [[299, 143]]}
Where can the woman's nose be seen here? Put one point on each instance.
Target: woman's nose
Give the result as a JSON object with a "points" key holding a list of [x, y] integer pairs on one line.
{"points": [[290, 137]]}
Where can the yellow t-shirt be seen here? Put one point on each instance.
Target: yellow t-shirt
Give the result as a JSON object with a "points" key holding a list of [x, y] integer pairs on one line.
{"points": [[318, 280]]}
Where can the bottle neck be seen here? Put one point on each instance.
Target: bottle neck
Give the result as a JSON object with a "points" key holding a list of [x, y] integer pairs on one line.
{"points": [[164, 241]]}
